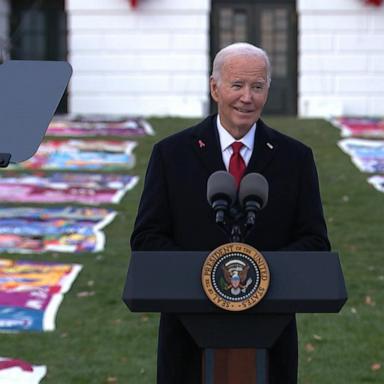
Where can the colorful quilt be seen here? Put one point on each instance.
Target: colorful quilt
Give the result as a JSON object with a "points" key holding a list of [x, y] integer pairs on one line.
{"points": [[16, 371], [367, 127], [367, 155], [378, 182], [75, 213], [82, 188], [38, 230], [81, 155], [31, 293], [99, 125]]}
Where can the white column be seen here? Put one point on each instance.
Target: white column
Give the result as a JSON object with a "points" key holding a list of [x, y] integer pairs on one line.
{"points": [[341, 51], [150, 60]]}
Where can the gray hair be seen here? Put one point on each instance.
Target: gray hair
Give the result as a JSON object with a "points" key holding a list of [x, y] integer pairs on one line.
{"points": [[238, 49]]}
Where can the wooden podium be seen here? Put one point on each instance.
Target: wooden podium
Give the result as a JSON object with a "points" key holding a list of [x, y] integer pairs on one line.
{"points": [[301, 282]]}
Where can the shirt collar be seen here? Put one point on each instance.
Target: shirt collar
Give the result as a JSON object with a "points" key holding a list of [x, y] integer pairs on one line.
{"points": [[226, 139]]}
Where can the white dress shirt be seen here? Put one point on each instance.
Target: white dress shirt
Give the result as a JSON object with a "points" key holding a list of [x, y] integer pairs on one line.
{"points": [[226, 140]]}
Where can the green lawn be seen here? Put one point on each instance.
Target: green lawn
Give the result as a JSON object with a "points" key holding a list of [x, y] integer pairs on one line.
{"points": [[97, 340]]}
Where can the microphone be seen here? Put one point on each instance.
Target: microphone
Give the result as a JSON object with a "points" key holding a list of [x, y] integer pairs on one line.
{"points": [[221, 193], [253, 195]]}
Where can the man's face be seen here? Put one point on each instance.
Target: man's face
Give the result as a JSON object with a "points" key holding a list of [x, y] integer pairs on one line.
{"points": [[240, 93]]}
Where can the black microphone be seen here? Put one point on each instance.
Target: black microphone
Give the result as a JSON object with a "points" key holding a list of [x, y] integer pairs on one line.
{"points": [[253, 195], [221, 193]]}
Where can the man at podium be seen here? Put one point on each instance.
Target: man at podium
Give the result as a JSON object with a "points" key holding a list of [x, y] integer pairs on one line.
{"points": [[174, 213]]}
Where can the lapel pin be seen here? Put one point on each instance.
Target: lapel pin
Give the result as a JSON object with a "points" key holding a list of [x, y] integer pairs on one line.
{"points": [[201, 143], [269, 145]]}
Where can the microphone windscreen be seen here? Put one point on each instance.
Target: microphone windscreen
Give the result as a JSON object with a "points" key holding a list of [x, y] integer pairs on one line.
{"points": [[254, 186], [221, 184]]}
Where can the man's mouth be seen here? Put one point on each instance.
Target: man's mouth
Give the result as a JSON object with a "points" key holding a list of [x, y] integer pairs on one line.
{"points": [[242, 110]]}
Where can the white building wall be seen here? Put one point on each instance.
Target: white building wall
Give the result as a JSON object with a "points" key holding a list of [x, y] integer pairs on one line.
{"points": [[341, 58], [4, 33], [150, 60]]}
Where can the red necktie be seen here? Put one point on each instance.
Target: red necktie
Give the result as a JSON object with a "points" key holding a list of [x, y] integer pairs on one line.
{"points": [[236, 163]]}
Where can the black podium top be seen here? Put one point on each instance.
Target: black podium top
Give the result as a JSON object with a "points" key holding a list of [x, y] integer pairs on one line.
{"points": [[301, 282]]}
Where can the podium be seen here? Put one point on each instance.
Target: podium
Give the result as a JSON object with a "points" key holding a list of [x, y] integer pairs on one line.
{"points": [[301, 282]]}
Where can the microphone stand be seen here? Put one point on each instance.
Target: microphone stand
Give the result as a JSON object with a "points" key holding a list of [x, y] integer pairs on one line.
{"points": [[236, 233], [231, 224], [236, 236]]}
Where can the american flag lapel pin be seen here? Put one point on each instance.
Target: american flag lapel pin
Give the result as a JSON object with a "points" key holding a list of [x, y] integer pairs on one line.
{"points": [[201, 144]]}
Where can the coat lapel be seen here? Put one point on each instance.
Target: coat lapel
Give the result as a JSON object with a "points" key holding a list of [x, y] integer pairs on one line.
{"points": [[205, 142], [264, 149]]}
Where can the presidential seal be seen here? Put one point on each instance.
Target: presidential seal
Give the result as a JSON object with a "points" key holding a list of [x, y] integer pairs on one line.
{"points": [[235, 276]]}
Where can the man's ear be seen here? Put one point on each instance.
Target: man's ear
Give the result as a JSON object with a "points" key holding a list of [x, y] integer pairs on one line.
{"points": [[213, 86]]}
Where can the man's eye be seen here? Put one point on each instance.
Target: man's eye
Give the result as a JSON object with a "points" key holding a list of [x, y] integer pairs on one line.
{"points": [[258, 86], [237, 86]]}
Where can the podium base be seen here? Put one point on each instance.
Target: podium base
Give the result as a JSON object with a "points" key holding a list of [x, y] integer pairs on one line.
{"points": [[228, 366]]}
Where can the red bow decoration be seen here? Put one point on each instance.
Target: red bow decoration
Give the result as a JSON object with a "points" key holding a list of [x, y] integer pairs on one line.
{"points": [[377, 3]]}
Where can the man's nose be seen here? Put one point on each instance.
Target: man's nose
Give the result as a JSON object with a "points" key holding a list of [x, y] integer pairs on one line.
{"points": [[246, 95]]}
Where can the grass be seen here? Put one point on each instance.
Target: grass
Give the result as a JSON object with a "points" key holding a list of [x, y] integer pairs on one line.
{"points": [[97, 340]]}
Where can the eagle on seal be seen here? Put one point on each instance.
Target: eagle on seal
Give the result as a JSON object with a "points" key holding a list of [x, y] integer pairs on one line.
{"points": [[236, 279]]}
